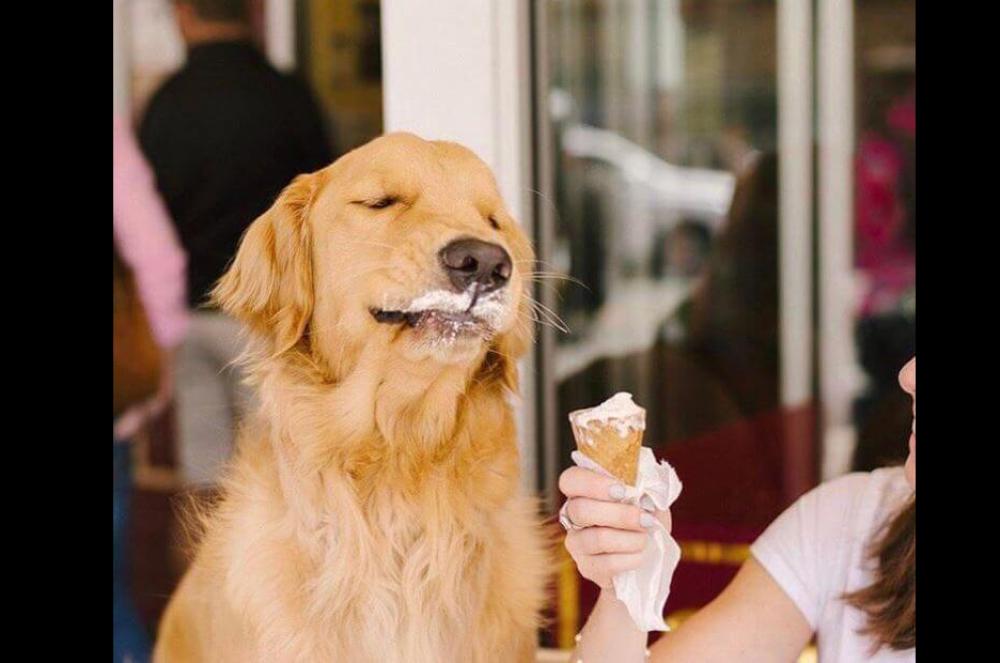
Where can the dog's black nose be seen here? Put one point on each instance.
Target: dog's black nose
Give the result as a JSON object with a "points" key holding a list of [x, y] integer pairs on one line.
{"points": [[468, 261]]}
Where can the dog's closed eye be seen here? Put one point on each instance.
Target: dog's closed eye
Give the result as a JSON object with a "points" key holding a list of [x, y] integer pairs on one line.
{"points": [[381, 202]]}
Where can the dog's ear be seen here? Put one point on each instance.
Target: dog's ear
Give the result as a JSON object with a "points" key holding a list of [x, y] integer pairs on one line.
{"points": [[268, 286]]}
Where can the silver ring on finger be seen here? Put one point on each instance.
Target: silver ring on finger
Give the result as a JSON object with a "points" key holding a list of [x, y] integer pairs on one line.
{"points": [[566, 521]]}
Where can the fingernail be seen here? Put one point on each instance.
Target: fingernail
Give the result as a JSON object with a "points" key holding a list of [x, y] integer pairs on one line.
{"points": [[617, 491], [647, 519]]}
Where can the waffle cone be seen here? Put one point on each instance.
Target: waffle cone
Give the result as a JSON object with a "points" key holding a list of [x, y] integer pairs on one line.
{"points": [[603, 444]]}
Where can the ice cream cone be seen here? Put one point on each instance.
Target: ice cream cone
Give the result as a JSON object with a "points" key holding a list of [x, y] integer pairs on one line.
{"points": [[611, 435]]}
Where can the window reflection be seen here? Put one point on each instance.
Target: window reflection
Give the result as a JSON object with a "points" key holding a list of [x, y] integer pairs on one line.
{"points": [[662, 117], [664, 122]]}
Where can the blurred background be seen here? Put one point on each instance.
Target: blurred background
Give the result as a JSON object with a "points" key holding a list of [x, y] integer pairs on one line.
{"points": [[721, 196]]}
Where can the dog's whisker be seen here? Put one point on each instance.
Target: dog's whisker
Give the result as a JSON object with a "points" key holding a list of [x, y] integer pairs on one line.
{"points": [[556, 275], [539, 277], [546, 320], [534, 302], [542, 308], [548, 200], [547, 323], [552, 287]]}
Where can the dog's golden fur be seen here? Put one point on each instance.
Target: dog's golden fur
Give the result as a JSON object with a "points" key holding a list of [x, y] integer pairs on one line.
{"points": [[372, 510]]}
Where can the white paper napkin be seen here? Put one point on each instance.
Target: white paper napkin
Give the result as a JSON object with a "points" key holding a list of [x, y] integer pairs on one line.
{"points": [[644, 590]]}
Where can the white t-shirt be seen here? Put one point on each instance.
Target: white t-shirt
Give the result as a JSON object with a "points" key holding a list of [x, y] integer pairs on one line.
{"points": [[818, 549]]}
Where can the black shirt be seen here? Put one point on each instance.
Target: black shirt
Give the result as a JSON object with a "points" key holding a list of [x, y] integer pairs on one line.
{"points": [[224, 135]]}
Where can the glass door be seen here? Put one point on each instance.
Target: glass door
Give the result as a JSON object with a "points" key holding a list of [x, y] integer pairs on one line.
{"points": [[674, 222], [725, 228]]}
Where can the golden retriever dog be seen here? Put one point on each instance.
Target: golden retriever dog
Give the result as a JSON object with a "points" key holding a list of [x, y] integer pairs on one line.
{"points": [[372, 510]]}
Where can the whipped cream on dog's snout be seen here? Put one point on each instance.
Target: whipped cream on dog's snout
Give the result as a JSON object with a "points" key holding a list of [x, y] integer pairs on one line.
{"points": [[441, 300], [489, 308]]}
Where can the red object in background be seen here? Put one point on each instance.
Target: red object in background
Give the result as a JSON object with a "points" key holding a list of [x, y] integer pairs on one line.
{"points": [[737, 479], [883, 229], [879, 211], [747, 472], [880, 220], [902, 115]]}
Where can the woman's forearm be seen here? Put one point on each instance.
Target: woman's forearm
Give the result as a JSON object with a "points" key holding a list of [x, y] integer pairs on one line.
{"points": [[610, 634]]}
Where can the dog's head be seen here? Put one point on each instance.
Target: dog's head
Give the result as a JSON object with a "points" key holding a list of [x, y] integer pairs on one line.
{"points": [[403, 243]]}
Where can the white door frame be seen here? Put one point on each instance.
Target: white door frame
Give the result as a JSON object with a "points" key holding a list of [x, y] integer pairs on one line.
{"points": [[795, 228], [840, 374], [279, 33], [795, 163]]}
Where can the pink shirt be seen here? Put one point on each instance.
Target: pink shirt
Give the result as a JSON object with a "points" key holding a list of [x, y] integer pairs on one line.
{"points": [[147, 241]]}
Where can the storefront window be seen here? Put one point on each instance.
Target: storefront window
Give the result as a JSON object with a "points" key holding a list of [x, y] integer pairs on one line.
{"points": [[663, 120], [660, 225]]}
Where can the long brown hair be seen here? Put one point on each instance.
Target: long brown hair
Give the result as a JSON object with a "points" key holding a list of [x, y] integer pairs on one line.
{"points": [[890, 602]]}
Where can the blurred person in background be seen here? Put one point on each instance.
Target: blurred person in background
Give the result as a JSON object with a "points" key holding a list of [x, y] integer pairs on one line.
{"points": [[733, 318], [224, 135], [718, 403], [715, 364], [682, 251], [150, 319]]}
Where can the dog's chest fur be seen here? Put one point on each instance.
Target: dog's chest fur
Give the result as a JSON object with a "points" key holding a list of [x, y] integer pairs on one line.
{"points": [[386, 576]]}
